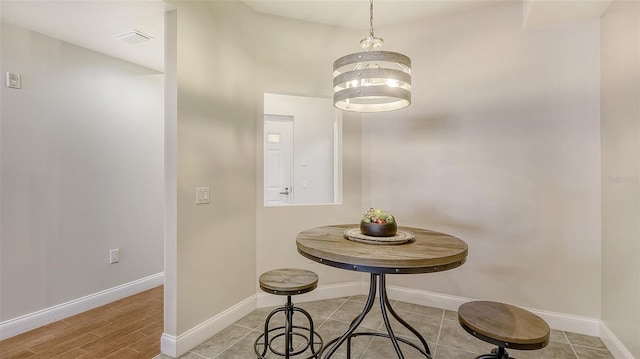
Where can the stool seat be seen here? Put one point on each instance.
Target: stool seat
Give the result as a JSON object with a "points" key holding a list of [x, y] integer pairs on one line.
{"points": [[504, 325], [288, 281]]}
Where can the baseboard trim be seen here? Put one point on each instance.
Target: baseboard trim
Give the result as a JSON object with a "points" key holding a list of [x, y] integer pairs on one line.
{"points": [[569, 322], [169, 345], [617, 349], [559, 321], [320, 293], [176, 346], [24, 323], [423, 297]]}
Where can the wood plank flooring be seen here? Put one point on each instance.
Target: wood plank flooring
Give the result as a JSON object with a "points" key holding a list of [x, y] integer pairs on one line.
{"points": [[128, 328]]}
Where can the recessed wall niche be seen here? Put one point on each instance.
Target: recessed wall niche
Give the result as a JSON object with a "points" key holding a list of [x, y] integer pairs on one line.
{"points": [[302, 151]]}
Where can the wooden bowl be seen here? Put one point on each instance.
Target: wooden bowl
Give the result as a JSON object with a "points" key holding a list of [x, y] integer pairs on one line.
{"points": [[379, 230]]}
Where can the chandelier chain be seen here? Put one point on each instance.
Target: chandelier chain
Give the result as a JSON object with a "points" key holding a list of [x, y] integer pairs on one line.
{"points": [[371, 18]]}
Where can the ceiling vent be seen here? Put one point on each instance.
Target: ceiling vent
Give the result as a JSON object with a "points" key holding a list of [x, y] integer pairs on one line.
{"points": [[134, 37]]}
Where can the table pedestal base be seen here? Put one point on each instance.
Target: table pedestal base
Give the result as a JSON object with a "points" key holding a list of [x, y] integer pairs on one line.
{"points": [[385, 307]]}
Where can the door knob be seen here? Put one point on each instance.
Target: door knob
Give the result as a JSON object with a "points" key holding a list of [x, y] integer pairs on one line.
{"points": [[286, 191]]}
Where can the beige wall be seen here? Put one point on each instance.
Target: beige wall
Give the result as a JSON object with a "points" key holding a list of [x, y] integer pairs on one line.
{"points": [[500, 147], [295, 57], [620, 39], [170, 173], [228, 56], [216, 112]]}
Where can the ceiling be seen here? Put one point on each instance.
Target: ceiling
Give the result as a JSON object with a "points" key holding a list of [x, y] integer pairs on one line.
{"points": [[94, 24], [354, 14]]}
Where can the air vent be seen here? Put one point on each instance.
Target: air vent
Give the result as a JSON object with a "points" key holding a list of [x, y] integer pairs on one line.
{"points": [[134, 37]]}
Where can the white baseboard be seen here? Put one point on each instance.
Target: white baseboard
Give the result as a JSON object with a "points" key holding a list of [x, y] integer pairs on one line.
{"points": [[422, 297], [320, 293], [559, 321], [176, 346], [169, 345], [569, 323], [617, 349], [49, 315]]}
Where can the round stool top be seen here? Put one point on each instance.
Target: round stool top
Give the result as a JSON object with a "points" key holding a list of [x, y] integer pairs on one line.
{"points": [[504, 325], [288, 281]]}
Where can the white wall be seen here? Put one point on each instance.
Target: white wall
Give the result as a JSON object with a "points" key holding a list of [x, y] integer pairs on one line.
{"points": [[82, 152], [620, 41], [501, 148]]}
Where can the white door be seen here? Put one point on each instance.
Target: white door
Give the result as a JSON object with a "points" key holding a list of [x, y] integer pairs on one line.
{"points": [[278, 158]]}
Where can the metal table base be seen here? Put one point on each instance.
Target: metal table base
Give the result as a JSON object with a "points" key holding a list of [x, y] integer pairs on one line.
{"points": [[385, 307]]}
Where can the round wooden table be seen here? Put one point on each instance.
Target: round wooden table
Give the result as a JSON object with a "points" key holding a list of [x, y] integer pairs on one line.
{"points": [[427, 252]]}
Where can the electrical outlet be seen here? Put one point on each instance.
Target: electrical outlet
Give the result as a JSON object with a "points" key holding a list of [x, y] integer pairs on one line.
{"points": [[114, 256]]}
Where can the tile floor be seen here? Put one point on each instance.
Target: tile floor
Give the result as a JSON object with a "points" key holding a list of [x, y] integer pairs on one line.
{"points": [[439, 327]]}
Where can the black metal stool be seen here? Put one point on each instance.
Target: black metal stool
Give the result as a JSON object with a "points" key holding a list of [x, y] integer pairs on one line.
{"points": [[504, 325], [288, 282]]}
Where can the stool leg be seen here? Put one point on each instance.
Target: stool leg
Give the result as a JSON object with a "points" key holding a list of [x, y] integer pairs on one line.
{"points": [[288, 310], [266, 332], [502, 353], [498, 353], [312, 334], [288, 336]]}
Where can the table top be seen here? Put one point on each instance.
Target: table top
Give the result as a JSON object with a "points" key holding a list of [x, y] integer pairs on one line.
{"points": [[428, 252]]}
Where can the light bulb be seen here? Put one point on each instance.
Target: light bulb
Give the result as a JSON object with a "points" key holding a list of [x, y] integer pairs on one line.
{"points": [[393, 83]]}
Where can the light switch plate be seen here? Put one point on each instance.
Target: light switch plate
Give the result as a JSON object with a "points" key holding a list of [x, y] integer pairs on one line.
{"points": [[13, 80], [202, 195]]}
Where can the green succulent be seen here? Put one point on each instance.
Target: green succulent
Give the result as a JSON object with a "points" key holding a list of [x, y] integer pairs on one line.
{"points": [[376, 215]]}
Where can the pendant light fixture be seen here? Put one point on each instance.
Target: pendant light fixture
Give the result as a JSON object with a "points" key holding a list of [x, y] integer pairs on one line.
{"points": [[372, 80]]}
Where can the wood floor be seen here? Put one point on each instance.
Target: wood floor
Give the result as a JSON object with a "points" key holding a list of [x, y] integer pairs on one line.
{"points": [[128, 328]]}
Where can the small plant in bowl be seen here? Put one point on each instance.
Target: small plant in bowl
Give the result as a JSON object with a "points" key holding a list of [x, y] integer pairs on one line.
{"points": [[378, 223]]}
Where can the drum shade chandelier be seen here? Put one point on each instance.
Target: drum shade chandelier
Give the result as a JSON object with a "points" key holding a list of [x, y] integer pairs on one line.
{"points": [[372, 80]]}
